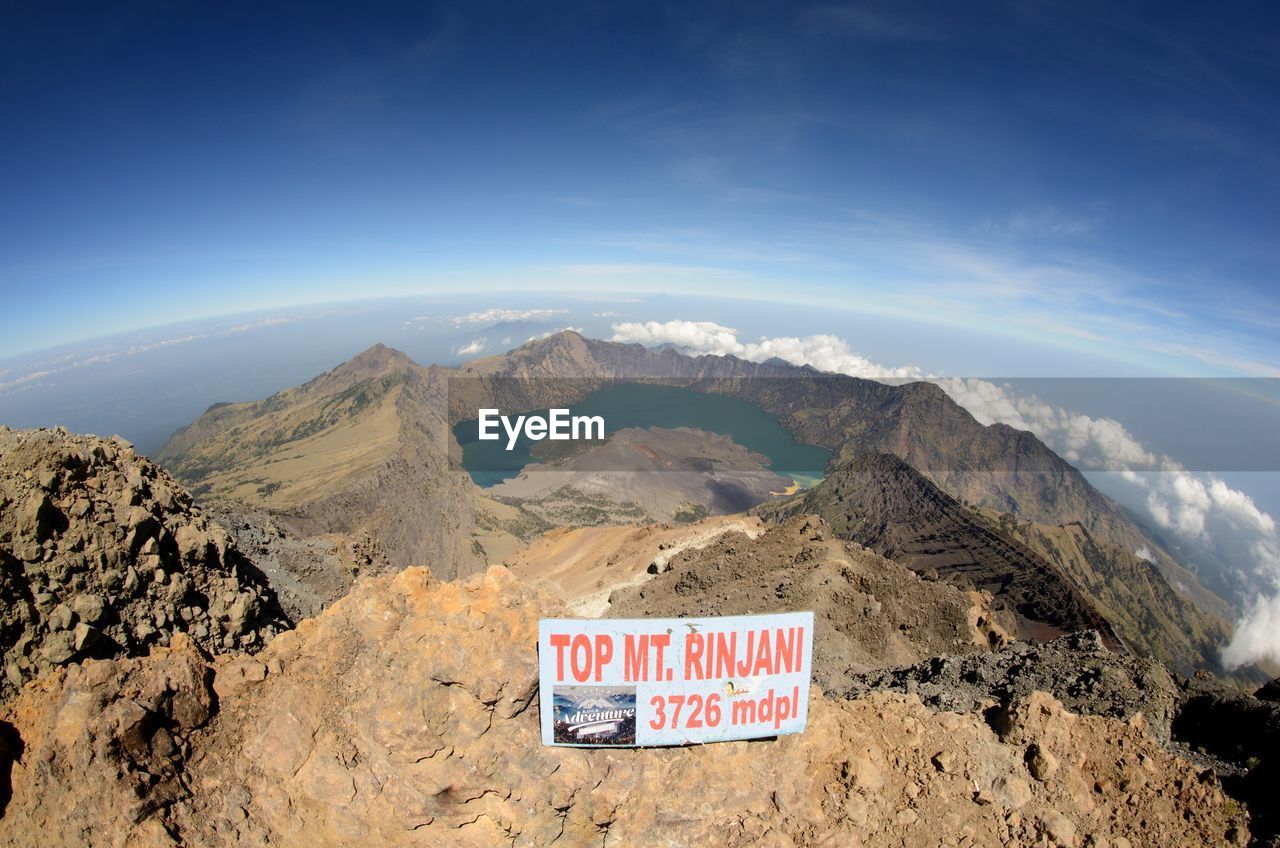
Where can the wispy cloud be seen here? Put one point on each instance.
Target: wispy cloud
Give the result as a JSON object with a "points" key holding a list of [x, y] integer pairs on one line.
{"points": [[40, 370], [641, 269], [707, 245], [70, 362], [1045, 222], [470, 348], [500, 316], [889, 24], [901, 265], [255, 325]]}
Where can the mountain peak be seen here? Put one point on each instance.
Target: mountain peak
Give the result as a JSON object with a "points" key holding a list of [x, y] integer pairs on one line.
{"points": [[379, 355], [884, 463], [373, 362], [562, 338], [548, 349]]}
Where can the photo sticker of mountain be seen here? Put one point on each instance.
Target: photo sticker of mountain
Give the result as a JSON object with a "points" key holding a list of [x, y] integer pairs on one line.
{"points": [[595, 715]]}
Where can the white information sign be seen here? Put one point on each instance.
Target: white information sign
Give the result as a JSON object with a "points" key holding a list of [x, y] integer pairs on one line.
{"points": [[673, 681]]}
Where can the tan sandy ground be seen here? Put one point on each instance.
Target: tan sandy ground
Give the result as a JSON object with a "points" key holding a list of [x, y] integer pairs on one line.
{"points": [[583, 566]]}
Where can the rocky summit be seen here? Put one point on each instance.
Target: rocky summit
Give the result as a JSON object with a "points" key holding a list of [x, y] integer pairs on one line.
{"points": [[406, 714], [869, 612], [102, 554]]}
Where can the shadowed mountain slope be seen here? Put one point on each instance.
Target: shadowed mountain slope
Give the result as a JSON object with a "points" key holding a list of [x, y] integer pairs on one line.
{"points": [[1054, 575], [879, 501], [1147, 612]]}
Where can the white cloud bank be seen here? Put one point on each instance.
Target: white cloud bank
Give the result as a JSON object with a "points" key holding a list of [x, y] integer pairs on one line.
{"points": [[1198, 508], [498, 316], [1257, 634], [828, 353], [470, 348]]}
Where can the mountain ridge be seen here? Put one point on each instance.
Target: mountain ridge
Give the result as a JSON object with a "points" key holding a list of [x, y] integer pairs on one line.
{"points": [[361, 447], [410, 445]]}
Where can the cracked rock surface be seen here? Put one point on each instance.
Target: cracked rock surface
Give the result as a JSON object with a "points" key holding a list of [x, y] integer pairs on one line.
{"points": [[406, 714]]}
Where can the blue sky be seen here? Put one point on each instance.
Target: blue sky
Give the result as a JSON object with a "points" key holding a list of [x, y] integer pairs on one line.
{"points": [[1104, 176]]}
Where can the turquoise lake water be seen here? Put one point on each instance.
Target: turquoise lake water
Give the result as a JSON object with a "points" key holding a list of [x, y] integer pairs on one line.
{"points": [[626, 405]]}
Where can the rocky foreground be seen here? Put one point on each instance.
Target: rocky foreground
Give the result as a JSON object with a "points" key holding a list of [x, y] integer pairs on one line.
{"points": [[103, 554], [406, 714]]}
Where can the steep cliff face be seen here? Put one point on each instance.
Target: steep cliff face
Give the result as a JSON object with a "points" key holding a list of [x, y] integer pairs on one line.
{"points": [[361, 448], [879, 501], [103, 554], [1132, 593], [1058, 578], [406, 715]]}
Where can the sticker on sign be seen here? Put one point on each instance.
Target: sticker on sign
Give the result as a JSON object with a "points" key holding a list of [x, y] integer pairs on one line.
{"points": [[673, 681]]}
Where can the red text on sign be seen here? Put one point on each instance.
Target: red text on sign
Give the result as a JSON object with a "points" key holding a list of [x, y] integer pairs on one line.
{"points": [[587, 655]]}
